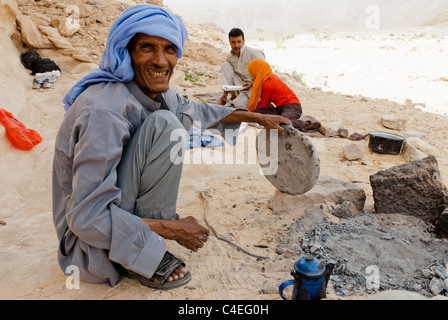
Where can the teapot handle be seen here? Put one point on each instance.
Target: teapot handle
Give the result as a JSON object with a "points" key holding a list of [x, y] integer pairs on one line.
{"points": [[284, 285]]}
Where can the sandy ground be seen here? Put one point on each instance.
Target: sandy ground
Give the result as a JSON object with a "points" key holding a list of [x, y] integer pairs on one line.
{"points": [[238, 196]]}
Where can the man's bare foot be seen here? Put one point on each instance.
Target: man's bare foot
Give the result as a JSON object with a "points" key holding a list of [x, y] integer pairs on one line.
{"points": [[178, 274]]}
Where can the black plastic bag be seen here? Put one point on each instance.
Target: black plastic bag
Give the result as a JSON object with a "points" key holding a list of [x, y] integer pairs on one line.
{"points": [[34, 62], [28, 58], [44, 65]]}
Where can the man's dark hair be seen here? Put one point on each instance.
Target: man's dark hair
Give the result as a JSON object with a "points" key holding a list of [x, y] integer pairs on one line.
{"points": [[235, 32], [131, 44]]}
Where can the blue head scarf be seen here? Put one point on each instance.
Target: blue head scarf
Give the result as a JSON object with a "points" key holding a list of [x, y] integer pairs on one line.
{"points": [[115, 64]]}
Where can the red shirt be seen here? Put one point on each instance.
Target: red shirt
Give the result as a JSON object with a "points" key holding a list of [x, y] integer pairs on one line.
{"points": [[275, 90]]}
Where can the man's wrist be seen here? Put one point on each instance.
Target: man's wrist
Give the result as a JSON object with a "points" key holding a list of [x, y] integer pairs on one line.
{"points": [[163, 228]]}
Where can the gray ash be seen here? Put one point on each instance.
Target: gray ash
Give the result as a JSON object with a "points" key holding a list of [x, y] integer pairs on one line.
{"points": [[396, 251]]}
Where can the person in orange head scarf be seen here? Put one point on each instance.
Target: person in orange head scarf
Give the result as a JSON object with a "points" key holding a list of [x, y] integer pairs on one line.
{"points": [[270, 95]]}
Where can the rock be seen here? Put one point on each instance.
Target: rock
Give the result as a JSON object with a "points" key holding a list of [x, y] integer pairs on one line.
{"points": [[411, 153], [413, 189], [353, 152], [440, 272], [186, 84], [295, 168], [77, 55], [82, 57], [39, 18], [85, 10], [200, 71], [8, 13], [436, 286], [393, 123], [200, 84], [96, 3], [356, 137], [327, 189], [417, 149], [54, 36], [345, 210], [427, 273], [343, 133], [83, 68], [414, 134], [177, 78], [31, 35], [67, 26]]}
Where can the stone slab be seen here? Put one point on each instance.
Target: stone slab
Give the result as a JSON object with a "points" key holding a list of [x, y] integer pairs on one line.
{"points": [[298, 160]]}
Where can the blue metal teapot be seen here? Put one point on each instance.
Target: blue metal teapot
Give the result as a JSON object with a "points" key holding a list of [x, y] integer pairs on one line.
{"points": [[310, 279]]}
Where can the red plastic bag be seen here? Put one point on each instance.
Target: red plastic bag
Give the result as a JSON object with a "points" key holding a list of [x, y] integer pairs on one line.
{"points": [[19, 135]]}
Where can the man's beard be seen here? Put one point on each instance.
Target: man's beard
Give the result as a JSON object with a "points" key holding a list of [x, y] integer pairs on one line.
{"points": [[156, 91]]}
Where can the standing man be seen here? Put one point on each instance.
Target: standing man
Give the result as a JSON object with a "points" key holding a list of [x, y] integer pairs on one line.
{"points": [[235, 70], [116, 172]]}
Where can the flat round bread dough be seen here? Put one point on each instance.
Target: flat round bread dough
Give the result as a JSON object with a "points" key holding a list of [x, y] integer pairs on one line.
{"points": [[232, 88], [293, 166]]}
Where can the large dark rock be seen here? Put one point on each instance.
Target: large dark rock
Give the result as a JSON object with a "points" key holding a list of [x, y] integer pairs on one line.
{"points": [[412, 189]]}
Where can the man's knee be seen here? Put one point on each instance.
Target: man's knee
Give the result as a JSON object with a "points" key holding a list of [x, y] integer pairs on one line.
{"points": [[227, 73], [226, 67], [164, 117], [165, 120], [168, 124], [241, 101]]}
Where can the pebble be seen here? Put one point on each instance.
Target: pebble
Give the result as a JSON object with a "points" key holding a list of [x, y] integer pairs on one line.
{"points": [[436, 286]]}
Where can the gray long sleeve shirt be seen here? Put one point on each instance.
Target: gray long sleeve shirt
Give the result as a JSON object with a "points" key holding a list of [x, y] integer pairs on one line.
{"points": [[92, 228]]}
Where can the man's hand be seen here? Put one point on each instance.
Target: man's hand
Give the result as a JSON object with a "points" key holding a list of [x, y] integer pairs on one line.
{"points": [[267, 121], [224, 98], [274, 122], [247, 86], [187, 232], [225, 95], [190, 234]]}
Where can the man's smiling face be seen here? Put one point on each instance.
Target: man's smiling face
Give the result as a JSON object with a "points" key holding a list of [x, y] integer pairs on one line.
{"points": [[153, 60]]}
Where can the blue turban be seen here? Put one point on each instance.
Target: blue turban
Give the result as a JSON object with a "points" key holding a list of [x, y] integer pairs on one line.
{"points": [[116, 64]]}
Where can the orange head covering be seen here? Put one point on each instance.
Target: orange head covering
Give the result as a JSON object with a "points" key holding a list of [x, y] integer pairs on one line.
{"points": [[260, 71]]}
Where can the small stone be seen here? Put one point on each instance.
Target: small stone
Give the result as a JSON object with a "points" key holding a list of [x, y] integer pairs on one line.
{"points": [[345, 210], [414, 134], [393, 123], [343, 133], [353, 152], [440, 272], [437, 286]]}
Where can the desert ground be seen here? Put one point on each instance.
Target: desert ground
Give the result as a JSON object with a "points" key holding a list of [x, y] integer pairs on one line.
{"points": [[237, 197]]}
